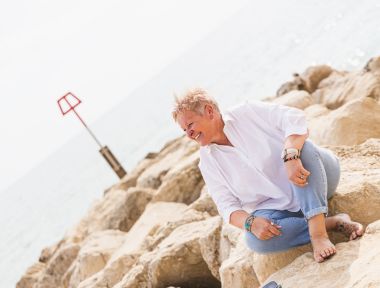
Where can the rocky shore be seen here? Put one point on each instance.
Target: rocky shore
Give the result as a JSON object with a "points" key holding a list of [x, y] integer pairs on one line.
{"points": [[158, 227]]}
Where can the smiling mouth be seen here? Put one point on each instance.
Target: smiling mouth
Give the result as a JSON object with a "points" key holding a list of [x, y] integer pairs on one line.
{"points": [[196, 137]]}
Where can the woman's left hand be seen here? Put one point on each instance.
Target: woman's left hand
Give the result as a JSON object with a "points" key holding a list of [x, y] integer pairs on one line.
{"points": [[297, 174]]}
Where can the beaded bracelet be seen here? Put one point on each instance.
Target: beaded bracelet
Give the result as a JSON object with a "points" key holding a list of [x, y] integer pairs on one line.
{"points": [[248, 222]]}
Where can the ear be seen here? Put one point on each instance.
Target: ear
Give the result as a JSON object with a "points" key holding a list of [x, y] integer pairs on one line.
{"points": [[209, 111]]}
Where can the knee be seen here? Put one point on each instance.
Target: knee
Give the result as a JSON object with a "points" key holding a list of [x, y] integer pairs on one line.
{"points": [[309, 153]]}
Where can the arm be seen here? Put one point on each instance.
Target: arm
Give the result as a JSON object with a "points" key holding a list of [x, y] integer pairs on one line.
{"points": [[261, 227], [230, 209], [294, 168]]}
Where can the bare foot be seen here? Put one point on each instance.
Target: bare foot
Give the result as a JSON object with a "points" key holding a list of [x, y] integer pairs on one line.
{"points": [[348, 227], [322, 247]]}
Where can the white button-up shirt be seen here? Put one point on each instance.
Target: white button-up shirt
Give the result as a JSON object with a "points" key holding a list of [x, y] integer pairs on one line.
{"points": [[251, 175]]}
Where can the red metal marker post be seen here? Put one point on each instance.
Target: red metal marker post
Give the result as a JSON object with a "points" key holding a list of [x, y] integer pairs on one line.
{"points": [[67, 103]]}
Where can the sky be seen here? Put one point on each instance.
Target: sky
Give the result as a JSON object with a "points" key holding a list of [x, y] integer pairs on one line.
{"points": [[99, 50]]}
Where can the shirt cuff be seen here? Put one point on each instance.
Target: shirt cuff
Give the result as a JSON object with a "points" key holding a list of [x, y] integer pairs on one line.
{"points": [[302, 130], [227, 213]]}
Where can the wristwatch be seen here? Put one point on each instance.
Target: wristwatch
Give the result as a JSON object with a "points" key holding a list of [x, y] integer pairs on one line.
{"points": [[290, 152]]}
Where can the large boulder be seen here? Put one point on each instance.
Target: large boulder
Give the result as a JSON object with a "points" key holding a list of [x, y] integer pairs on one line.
{"points": [[153, 176], [31, 276], [296, 99], [355, 265], [358, 192], [343, 88], [57, 266], [205, 203], [237, 270], [134, 243], [179, 260], [182, 183], [308, 80], [350, 124], [118, 210], [94, 254]]}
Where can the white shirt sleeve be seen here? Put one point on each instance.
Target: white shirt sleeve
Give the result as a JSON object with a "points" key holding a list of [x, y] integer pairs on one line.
{"points": [[225, 201], [289, 120]]}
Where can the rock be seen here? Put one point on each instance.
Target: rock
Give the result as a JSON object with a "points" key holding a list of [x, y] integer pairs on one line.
{"points": [[48, 252], [57, 266], [266, 264], [359, 184], [343, 88], [355, 265], [118, 210], [297, 99], [314, 75], [237, 270], [308, 80], [296, 84], [177, 260], [179, 149], [373, 66], [315, 111], [135, 243], [94, 254], [205, 203], [348, 125], [31, 275], [182, 183]]}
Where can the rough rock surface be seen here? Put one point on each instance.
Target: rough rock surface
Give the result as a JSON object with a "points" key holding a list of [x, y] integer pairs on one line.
{"points": [[158, 227], [355, 265]]}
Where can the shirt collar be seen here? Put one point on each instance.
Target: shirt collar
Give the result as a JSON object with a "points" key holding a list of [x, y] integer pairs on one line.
{"points": [[227, 118]]}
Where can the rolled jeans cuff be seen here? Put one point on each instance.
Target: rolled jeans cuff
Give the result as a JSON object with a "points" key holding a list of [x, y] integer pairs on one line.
{"points": [[316, 211]]}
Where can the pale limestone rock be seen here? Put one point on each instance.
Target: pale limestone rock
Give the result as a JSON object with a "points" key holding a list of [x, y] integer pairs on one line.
{"points": [[152, 176], [342, 88], [313, 75], [118, 210], [179, 258], [266, 264], [356, 265], [359, 184], [57, 266], [134, 245], [297, 99], [296, 84], [350, 124], [182, 183], [204, 203], [31, 275], [373, 66], [237, 270], [48, 252], [308, 80], [94, 254], [316, 110]]}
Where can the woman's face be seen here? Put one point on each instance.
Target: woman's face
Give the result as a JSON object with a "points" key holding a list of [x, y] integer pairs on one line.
{"points": [[200, 128]]}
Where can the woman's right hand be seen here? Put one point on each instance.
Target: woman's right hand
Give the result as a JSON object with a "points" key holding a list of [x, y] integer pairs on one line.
{"points": [[264, 229]]}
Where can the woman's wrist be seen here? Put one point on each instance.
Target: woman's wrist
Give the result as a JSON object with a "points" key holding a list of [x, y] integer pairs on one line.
{"points": [[248, 223]]}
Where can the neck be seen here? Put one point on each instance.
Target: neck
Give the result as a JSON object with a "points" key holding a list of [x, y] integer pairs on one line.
{"points": [[221, 138]]}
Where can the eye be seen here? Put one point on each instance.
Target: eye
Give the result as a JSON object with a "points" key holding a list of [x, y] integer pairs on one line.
{"points": [[188, 126]]}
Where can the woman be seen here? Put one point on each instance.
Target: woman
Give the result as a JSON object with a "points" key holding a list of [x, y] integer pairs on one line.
{"points": [[263, 175]]}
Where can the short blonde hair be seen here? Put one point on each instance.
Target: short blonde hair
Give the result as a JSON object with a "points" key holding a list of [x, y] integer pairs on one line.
{"points": [[193, 100]]}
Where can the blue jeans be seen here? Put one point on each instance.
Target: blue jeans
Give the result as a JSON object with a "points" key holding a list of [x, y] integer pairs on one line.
{"points": [[323, 180]]}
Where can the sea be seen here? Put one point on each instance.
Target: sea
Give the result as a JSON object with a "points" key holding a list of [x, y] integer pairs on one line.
{"points": [[248, 57]]}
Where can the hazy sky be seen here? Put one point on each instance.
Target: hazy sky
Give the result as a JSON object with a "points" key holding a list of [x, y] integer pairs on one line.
{"points": [[99, 50]]}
